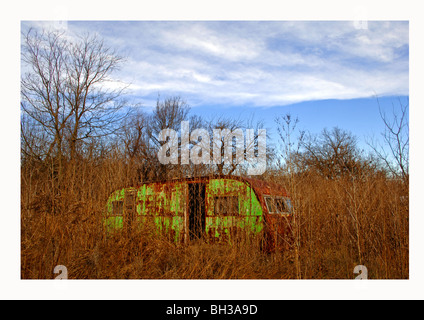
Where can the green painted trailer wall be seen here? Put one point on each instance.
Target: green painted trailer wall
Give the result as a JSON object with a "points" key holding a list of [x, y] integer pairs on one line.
{"points": [[162, 208], [249, 218]]}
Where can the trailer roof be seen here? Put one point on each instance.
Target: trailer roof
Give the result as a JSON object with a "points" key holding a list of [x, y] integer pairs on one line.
{"points": [[259, 186]]}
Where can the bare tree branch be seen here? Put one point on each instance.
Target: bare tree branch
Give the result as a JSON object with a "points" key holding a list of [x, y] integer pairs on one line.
{"points": [[67, 90], [394, 151]]}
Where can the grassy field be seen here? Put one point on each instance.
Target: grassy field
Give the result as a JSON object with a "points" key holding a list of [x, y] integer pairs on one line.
{"points": [[340, 223]]}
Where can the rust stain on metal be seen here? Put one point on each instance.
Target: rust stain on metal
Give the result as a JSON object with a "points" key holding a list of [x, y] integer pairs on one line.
{"points": [[215, 208]]}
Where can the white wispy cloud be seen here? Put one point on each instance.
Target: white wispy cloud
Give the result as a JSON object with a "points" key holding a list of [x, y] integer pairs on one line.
{"points": [[259, 63]]}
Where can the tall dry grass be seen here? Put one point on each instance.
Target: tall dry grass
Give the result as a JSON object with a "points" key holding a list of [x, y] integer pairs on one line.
{"points": [[341, 223], [352, 221]]}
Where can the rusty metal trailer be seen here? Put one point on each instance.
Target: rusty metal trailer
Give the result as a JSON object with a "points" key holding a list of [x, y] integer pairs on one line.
{"points": [[212, 208]]}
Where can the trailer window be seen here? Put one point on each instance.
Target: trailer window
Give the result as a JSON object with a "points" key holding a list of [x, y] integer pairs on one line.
{"points": [[117, 208], [270, 205], [281, 205], [289, 205], [226, 206], [277, 205]]}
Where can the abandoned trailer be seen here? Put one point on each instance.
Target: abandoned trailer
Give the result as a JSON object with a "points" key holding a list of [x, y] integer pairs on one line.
{"points": [[215, 209]]}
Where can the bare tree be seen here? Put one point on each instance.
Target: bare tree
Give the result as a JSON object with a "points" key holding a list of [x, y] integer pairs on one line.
{"points": [[394, 151], [331, 153], [67, 90], [225, 163], [136, 146], [134, 136], [287, 127], [230, 146], [168, 114]]}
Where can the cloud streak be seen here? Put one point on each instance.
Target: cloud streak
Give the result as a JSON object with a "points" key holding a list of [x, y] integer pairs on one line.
{"points": [[253, 63]]}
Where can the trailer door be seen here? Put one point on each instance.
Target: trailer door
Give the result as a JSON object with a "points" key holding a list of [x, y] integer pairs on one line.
{"points": [[196, 210]]}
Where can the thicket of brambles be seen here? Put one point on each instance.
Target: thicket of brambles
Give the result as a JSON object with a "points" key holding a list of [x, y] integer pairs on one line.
{"points": [[81, 139]]}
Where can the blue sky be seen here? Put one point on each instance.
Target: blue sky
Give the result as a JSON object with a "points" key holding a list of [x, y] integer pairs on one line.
{"points": [[326, 73]]}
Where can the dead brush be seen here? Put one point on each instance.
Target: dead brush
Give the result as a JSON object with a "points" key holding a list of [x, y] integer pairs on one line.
{"points": [[342, 223]]}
